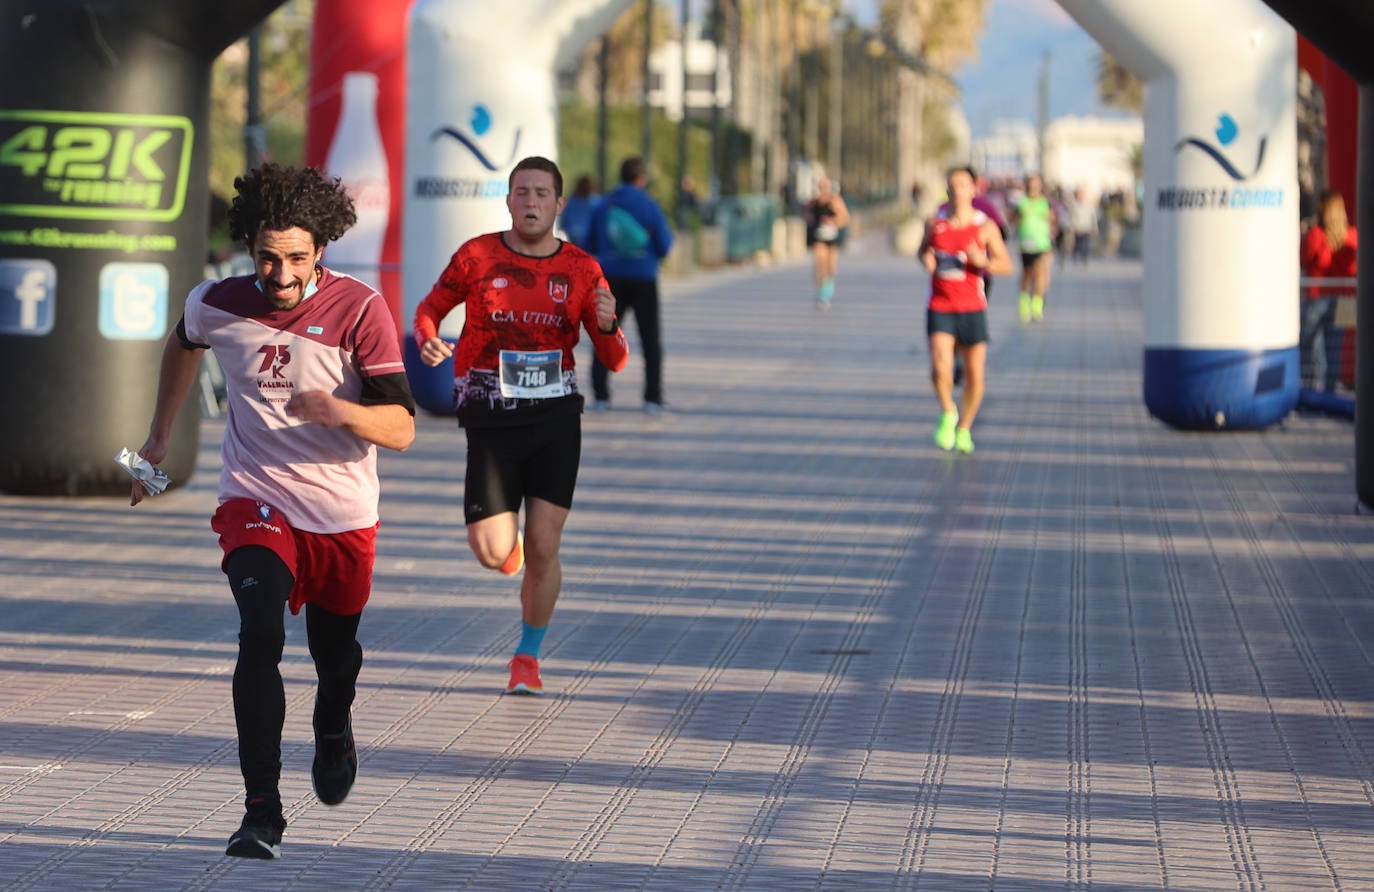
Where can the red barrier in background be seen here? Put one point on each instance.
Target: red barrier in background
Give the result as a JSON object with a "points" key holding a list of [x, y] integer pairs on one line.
{"points": [[367, 36]]}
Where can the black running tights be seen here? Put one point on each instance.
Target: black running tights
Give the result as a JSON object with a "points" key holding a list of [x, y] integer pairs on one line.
{"points": [[261, 584]]}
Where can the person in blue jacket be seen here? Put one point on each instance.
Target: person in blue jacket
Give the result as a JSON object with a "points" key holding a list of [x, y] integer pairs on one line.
{"points": [[577, 212], [629, 235]]}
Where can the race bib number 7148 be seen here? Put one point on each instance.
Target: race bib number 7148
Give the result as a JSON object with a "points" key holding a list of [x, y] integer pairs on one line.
{"points": [[534, 375]]}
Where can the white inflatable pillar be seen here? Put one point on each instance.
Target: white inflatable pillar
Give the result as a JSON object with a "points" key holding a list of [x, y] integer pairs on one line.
{"points": [[1221, 204], [481, 95]]}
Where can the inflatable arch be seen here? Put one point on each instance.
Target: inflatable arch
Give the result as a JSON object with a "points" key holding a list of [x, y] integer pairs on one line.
{"points": [[104, 154], [422, 109], [1220, 209]]}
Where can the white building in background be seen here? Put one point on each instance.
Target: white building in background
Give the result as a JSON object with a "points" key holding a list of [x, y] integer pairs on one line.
{"points": [[1008, 153], [708, 70], [1095, 153]]}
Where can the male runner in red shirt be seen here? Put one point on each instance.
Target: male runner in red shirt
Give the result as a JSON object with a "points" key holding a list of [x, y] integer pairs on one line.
{"points": [[526, 293], [960, 245]]}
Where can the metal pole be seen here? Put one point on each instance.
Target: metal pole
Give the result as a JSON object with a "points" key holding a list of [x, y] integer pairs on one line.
{"points": [[252, 131], [730, 160], [646, 138], [1364, 307], [713, 187], [813, 98], [1042, 111], [836, 74], [680, 208], [603, 78], [794, 136]]}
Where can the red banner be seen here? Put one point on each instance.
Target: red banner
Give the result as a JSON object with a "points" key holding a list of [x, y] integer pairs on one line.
{"points": [[356, 130]]}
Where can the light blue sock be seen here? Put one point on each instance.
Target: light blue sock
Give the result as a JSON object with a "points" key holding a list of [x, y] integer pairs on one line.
{"points": [[531, 637]]}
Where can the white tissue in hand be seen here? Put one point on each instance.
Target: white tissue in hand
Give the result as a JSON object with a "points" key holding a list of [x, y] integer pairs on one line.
{"points": [[153, 479]]}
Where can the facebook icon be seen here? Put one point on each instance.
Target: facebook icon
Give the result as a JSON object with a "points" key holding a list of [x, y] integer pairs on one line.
{"points": [[28, 296]]}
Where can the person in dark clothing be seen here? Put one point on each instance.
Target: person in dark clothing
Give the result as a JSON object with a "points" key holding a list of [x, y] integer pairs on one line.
{"points": [[629, 236]]}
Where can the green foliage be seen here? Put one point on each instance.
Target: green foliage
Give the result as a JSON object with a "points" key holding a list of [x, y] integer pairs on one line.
{"points": [[577, 149], [285, 63], [1117, 87]]}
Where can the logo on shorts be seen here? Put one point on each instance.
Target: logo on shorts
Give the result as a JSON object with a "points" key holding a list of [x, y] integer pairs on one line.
{"points": [[499, 282], [559, 288], [265, 512]]}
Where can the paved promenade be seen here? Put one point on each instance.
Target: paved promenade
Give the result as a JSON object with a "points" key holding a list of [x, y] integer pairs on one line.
{"points": [[798, 647]]}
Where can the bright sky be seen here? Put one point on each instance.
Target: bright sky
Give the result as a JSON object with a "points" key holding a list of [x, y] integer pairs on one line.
{"points": [[1000, 83]]}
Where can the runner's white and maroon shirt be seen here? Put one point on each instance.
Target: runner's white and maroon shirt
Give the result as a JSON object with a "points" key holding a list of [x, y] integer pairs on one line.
{"points": [[324, 480], [514, 361]]}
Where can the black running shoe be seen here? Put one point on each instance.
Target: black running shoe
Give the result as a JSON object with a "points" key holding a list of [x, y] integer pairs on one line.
{"points": [[256, 839], [335, 766]]}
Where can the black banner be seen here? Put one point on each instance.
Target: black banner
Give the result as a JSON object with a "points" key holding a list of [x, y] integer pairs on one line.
{"points": [[103, 223]]}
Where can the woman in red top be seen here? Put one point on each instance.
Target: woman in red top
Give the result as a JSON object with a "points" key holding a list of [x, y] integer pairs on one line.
{"points": [[960, 245], [1328, 251]]}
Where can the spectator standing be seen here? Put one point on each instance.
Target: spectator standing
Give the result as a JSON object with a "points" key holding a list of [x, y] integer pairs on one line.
{"points": [[1328, 251], [577, 211], [1083, 219], [629, 235]]}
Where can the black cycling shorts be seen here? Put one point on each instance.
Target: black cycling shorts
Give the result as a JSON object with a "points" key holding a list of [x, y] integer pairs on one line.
{"points": [[507, 465]]}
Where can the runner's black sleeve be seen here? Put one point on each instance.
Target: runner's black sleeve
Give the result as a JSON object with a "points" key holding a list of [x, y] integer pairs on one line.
{"points": [[185, 341], [384, 390]]}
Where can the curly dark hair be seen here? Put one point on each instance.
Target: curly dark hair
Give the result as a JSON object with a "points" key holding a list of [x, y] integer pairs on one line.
{"points": [[275, 198]]}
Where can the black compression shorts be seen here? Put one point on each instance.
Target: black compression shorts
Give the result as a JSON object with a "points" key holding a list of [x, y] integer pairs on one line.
{"points": [[507, 465]]}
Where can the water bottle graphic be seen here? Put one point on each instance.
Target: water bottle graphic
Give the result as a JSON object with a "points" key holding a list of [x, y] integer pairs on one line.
{"points": [[358, 158]]}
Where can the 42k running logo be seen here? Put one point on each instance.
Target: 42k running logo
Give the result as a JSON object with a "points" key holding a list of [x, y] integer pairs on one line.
{"points": [[94, 166]]}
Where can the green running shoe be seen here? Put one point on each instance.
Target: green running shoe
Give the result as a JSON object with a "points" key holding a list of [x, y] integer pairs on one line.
{"points": [[944, 431], [1037, 308], [1023, 308], [963, 440]]}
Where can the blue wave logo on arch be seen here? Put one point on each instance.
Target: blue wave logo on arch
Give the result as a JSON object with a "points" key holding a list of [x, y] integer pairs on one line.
{"points": [[480, 122], [1226, 133]]}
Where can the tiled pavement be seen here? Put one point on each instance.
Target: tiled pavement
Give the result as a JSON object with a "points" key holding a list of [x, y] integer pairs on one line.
{"points": [[798, 647]]}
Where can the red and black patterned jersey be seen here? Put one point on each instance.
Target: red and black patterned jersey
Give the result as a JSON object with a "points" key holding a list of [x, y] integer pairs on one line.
{"points": [[513, 363]]}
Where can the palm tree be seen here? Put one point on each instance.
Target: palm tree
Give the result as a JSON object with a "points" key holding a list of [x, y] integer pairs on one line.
{"points": [[940, 34], [1117, 87]]}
